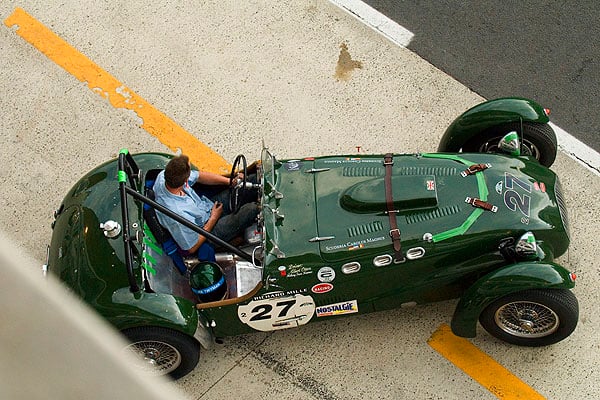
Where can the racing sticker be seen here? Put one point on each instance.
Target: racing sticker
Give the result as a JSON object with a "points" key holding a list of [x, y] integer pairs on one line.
{"points": [[295, 270], [326, 274], [270, 314], [293, 165], [322, 288], [346, 307]]}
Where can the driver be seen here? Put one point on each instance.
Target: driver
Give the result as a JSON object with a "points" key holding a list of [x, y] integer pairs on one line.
{"points": [[173, 189]]}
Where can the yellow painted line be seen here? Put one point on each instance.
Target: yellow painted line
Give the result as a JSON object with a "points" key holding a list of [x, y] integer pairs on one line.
{"points": [[481, 367], [104, 84]]}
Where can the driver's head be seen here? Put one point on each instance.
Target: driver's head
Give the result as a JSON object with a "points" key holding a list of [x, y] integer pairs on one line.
{"points": [[177, 171]]}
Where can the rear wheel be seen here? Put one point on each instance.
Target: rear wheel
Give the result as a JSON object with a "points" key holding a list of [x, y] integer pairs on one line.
{"points": [[163, 351], [537, 140], [532, 317]]}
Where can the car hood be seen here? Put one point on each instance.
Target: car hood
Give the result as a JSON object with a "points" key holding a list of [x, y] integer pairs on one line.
{"points": [[430, 196]]}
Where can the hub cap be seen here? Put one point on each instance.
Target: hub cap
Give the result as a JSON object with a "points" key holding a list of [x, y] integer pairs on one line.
{"points": [[157, 358], [526, 319]]}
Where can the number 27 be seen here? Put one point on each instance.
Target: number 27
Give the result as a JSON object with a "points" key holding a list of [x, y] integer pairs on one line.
{"points": [[513, 199], [263, 311]]}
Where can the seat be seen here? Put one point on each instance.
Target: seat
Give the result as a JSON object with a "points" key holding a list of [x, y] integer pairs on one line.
{"points": [[163, 236]]}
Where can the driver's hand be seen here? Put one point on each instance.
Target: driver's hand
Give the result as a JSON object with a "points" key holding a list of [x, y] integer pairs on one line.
{"points": [[217, 210], [240, 178]]}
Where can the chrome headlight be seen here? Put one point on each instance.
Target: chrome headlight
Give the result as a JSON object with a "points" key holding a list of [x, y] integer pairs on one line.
{"points": [[510, 144], [527, 248]]}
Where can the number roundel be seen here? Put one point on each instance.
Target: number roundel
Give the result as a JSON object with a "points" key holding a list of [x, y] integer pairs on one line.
{"points": [[277, 313]]}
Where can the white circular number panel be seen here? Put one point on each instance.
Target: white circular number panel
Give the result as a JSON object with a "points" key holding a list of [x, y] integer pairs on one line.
{"points": [[278, 312]]}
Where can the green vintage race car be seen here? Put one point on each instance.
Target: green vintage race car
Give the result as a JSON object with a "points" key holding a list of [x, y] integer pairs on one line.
{"points": [[481, 220]]}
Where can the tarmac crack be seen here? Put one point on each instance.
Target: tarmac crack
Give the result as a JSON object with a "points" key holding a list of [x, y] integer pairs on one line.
{"points": [[303, 382], [269, 360]]}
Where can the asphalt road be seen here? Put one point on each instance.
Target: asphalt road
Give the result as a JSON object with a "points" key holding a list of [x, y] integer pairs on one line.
{"points": [[545, 50]]}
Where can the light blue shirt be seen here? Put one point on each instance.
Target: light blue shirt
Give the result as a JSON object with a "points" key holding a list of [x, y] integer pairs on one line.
{"points": [[192, 207]]}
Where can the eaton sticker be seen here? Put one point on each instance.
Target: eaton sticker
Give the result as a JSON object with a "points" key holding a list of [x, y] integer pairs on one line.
{"points": [[346, 307], [322, 288]]}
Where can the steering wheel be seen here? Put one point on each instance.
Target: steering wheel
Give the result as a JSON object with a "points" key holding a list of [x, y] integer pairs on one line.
{"points": [[236, 193]]}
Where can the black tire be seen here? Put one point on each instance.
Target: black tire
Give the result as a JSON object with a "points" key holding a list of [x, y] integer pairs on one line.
{"points": [[537, 140], [163, 351], [533, 317]]}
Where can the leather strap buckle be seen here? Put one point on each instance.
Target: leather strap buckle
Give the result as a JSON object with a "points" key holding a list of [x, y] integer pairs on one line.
{"points": [[473, 169], [475, 202]]}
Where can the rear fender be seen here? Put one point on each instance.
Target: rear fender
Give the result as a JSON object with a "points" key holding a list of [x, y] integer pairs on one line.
{"points": [[510, 279], [489, 114], [154, 309]]}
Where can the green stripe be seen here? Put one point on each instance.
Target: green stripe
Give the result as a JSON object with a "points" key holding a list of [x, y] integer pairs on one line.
{"points": [[458, 230], [122, 176], [153, 246], [449, 157], [483, 195], [149, 258], [148, 268], [483, 190], [151, 241]]}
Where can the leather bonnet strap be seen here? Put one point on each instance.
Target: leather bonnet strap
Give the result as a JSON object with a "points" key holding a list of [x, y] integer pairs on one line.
{"points": [[388, 162]]}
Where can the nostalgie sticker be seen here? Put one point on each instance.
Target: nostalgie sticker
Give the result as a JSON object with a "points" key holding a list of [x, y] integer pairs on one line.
{"points": [[274, 313], [320, 288], [430, 185], [346, 307], [326, 274]]}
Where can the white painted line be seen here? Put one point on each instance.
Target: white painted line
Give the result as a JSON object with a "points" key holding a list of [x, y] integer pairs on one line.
{"points": [[401, 36], [577, 150], [376, 20]]}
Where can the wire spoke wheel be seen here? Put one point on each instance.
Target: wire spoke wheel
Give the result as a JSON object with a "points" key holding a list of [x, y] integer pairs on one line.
{"points": [[537, 317], [162, 351], [527, 319], [158, 358]]}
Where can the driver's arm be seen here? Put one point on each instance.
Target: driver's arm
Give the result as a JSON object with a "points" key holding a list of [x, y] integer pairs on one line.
{"points": [[210, 178], [215, 214]]}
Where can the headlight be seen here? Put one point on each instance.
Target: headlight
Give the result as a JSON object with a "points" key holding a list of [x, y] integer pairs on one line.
{"points": [[527, 248]]}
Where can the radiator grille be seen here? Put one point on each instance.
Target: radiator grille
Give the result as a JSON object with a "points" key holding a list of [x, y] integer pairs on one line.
{"points": [[562, 205], [363, 229], [358, 171], [438, 171], [433, 214]]}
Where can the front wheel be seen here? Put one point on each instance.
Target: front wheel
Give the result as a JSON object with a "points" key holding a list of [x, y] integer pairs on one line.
{"points": [[163, 351], [532, 317], [537, 140]]}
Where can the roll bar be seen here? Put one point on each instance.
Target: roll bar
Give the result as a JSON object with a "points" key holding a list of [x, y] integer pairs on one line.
{"points": [[128, 170]]}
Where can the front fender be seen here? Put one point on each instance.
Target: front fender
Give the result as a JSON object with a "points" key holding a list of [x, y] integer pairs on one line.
{"points": [[510, 279], [486, 115]]}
